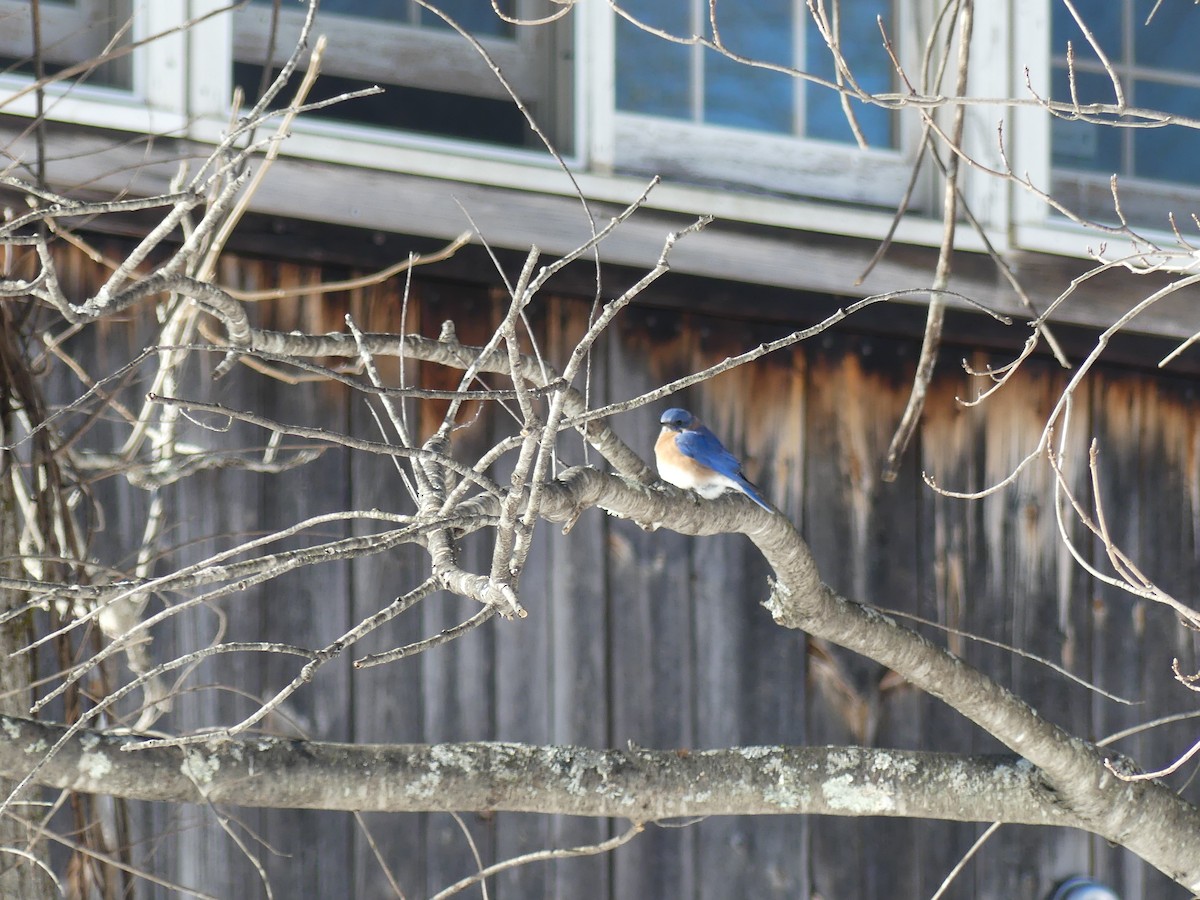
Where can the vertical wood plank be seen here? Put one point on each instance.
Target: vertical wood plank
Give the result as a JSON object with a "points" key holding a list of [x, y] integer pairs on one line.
{"points": [[578, 608], [862, 532], [204, 854], [387, 702], [458, 678], [1118, 631], [307, 607], [1167, 555], [522, 704], [650, 662], [750, 673], [759, 411], [1028, 580], [952, 569]]}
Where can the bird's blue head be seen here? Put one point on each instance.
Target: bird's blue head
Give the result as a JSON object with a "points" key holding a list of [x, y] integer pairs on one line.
{"points": [[676, 419]]}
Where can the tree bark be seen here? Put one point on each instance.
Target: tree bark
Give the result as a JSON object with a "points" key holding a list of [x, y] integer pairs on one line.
{"points": [[637, 784], [1146, 817]]}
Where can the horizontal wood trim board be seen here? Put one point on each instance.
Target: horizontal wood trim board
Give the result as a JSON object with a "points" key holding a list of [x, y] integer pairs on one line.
{"points": [[428, 207]]}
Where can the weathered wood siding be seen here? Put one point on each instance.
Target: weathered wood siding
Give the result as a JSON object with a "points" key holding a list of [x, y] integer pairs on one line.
{"points": [[659, 639]]}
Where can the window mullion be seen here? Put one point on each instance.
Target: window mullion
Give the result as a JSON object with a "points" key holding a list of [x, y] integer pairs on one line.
{"points": [[800, 22], [210, 61], [1128, 146], [595, 56], [991, 51], [696, 76], [160, 71], [1028, 140]]}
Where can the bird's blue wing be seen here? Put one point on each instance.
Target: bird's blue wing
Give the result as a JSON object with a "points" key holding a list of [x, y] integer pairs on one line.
{"points": [[704, 447]]}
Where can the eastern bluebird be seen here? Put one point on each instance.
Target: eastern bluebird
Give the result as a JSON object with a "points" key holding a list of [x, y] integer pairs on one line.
{"points": [[690, 456]]}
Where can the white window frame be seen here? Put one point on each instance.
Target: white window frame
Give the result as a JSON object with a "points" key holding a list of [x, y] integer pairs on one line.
{"points": [[1035, 225], [150, 105], [190, 99], [440, 61]]}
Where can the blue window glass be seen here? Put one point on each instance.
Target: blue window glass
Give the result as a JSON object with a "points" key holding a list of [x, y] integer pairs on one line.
{"points": [[1103, 19], [1159, 69], [1170, 153], [1168, 40], [1083, 145], [369, 9], [476, 16], [862, 44], [741, 96], [696, 84], [653, 75]]}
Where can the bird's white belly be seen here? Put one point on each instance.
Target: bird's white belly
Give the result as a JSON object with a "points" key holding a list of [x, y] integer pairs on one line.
{"points": [[686, 477]]}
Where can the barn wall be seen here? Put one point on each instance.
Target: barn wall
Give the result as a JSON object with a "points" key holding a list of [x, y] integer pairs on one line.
{"points": [[659, 639]]}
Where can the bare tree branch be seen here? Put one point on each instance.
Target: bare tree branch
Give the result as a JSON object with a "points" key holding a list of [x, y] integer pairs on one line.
{"points": [[636, 783]]}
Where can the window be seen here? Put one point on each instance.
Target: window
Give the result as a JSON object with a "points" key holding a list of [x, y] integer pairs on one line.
{"points": [[71, 31], [1159, 69], [612, 98], [678, 104], [435, 83], [695, 84]]}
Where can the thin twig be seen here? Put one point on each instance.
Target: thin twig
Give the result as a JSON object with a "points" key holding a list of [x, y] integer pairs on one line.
{"points": [[542, 856]]}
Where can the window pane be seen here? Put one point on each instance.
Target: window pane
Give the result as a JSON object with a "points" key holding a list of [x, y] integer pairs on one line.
{"points": [[698, 84], [742, 97], [1169, 153], [1167, 44], [1090, 87], [1079, 145], [369, 9], [826, 119], [1082, 145], [653, 75], [1169, 41], [387, 10], [739, 95], [862, 45], [411, 109], [1103, 18], [476, 16], [71, 33]]}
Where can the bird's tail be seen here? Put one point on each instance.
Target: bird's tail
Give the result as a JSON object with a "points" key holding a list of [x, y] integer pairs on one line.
{"points": [[754, 494]]}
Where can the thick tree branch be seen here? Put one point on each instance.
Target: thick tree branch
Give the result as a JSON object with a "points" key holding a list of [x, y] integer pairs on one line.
{"points": [[637, 783], [1154, 823]]}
